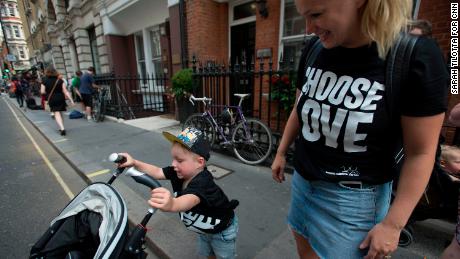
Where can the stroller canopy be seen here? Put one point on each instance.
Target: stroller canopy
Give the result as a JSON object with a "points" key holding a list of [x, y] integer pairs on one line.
{"points": [[98, 199]]}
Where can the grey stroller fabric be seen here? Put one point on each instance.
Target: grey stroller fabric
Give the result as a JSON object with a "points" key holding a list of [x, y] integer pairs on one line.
{"points": [[104, 200], [101, 198]]}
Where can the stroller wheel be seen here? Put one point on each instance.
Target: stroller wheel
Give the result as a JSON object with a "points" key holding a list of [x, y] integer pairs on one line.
{"points": [[406, 237]]}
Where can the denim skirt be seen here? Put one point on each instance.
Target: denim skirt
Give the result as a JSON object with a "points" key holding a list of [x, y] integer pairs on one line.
{"points": [[335, 218]]}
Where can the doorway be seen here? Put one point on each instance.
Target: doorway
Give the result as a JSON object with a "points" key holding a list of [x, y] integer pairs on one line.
{"points": [[242, 52]]}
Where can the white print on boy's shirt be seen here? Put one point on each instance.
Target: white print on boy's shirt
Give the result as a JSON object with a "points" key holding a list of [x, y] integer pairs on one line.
{"points": [[196, 222], [360, 107]]}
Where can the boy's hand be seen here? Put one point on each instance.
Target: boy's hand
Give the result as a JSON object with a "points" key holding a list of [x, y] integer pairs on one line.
{"points": [[161, 199], [129, 160]]}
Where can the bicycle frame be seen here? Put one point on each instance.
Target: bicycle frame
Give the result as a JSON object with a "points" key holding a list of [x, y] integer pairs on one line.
{"points": [[240, 117]]}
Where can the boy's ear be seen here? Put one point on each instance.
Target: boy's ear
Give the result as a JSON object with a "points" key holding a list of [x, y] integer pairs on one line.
{"points": [[201, 161], [442, 163]]}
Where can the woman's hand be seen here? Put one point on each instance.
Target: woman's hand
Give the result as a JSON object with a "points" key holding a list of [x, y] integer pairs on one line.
{"points": [[162, 199], [130, 161], [278, 168], [382, 240]]}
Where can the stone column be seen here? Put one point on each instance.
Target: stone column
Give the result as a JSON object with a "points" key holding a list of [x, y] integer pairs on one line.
{"points": [[58, 58], [101, 44], [67, 56], [83, 48]]}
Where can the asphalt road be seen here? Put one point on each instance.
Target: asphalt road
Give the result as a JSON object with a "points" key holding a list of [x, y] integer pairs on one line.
{"points": [[30, 194]]}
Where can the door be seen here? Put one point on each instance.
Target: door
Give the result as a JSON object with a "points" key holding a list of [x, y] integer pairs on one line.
{"points": [[242, 52]]}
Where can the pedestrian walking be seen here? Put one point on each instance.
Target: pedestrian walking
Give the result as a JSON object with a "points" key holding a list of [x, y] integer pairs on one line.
{"points": [[18, 91], [202, 205], [55, 92], [87, 87], [342, 183]]}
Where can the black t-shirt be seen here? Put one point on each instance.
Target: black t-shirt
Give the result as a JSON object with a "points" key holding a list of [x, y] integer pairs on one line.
{"points": [[344, 122], [214, 212]]}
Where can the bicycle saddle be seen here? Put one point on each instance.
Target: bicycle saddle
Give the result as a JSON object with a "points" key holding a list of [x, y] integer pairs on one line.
{"points": [[242, 95]]}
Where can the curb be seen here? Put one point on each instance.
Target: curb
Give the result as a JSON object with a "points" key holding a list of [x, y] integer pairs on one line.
{"points": [[149, 243]]}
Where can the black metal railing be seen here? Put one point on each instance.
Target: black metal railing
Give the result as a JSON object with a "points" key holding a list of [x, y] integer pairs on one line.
{"points": [[131, 97], [272, 89]]}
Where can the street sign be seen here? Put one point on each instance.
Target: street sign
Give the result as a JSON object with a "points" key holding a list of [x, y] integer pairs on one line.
{"points": [[11, 57]]}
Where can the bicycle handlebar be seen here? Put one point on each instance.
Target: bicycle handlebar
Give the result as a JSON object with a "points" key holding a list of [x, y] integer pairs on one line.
{"points": [[203, 99]]}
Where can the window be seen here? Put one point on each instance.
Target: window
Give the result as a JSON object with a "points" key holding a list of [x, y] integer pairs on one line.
{"points": [[3, 10], [244, 10], [22, 52], [9, 32], [294, 32], [140, 55], [156, 52], [12, 10], [17, 33], [94, 50]]}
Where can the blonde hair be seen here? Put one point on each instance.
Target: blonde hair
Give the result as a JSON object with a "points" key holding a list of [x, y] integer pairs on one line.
{"points": [[186, 150], [383, 20], [449, 152]]}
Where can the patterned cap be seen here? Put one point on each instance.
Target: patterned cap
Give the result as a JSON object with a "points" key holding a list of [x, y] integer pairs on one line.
{"points": [[193, 139]]}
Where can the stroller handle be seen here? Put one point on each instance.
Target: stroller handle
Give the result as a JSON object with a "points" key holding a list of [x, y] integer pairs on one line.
{"points": [[116, 158], [143, 178]]}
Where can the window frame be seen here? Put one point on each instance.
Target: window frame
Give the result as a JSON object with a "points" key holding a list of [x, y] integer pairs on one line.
{"points": [[284, 39]]}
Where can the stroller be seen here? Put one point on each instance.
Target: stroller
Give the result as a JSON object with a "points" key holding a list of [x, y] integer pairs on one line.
{"points": [[439, 201], [95, 224]]}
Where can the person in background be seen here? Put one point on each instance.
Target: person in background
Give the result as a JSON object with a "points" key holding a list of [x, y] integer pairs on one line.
{"points": [[421, 27], [75, 86], [342, 183], [18, 92], [25, 78], [56, 93], [87, 87], [450, 162]]}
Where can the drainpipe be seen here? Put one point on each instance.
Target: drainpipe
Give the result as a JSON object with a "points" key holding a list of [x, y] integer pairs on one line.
{"points": [[183, 34]]}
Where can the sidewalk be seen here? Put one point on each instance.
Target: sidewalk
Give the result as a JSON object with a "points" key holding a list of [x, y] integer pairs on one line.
{"points": [[263, 205]]}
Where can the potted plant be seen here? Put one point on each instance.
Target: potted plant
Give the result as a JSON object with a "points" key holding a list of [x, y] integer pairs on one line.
{"points": [[182, 87], [283, 90]]}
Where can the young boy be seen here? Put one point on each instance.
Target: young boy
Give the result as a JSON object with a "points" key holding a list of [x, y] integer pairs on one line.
{"points": [[202, 205], [450, 163]]}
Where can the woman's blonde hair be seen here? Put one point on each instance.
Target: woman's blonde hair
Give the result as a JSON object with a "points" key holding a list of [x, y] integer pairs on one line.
{"points": [[383, 20]]}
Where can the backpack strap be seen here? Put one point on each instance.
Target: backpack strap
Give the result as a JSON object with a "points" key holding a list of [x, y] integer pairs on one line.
{"points": [[313, 51], [397, 71], [396, 75]]}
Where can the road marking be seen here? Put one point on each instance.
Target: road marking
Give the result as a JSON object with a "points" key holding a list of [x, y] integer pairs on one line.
{"points": [[60, 140], [44, 157], [104, 171], [36, 122]]}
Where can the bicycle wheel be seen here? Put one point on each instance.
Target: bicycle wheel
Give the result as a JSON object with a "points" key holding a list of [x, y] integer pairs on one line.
{"points": [[97, 110], [202, 123], [252, 141]]}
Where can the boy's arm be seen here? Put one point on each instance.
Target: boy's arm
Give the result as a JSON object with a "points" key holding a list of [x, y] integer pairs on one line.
{"points": [[152, 170], [162, 199]]}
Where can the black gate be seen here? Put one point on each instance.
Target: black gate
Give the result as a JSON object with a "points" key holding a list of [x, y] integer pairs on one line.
{"points": [[131, 97], [272, 91]]}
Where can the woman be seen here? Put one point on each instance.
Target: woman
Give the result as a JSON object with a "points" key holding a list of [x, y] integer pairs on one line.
{"points": [[341, 187], [56, 93]]}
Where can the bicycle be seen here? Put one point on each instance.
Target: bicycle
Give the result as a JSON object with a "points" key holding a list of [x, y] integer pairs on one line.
{"points": [[251, 140], [99, 105]]}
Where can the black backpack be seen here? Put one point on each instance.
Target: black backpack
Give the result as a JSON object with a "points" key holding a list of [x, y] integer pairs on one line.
{"points": [[396, 74]]}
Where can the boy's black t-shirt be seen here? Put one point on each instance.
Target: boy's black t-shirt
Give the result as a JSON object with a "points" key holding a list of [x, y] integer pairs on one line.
{"points": [[214, 212], [345, 133]]}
